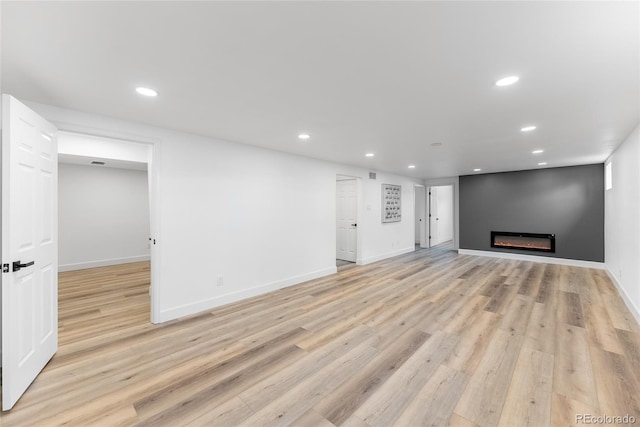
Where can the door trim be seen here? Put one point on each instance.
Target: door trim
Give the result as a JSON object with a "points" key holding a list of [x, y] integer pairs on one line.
{"points": [[346, 254], [153, 174], [439, 182], [359, 213], [424, 241]]}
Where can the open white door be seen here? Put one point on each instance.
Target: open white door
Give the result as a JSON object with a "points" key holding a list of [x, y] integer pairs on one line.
{"points": [[347, 219], [440, 214], [29, 247], [445, 213], [433, 216], [420, 213]]}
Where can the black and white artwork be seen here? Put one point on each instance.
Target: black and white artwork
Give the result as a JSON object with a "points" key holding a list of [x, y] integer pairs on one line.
{"points": [[391, 198]]}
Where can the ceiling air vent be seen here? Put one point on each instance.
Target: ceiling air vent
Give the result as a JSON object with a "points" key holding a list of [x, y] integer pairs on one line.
{"points": [[372, 175], [95, 162]]}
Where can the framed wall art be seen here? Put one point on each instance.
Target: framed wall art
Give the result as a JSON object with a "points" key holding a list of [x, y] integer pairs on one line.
{"points": [[391, 203]]}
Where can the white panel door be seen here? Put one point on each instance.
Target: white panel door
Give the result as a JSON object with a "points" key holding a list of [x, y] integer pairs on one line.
{"points": [[29, 247], [433, 216], [347, 219], [440, 214], [445, 213], [420, 212]]}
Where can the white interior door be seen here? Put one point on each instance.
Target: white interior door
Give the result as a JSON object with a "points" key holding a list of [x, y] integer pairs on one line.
{"points": [[346, 219], [445, 213], [440, 214], [420, 216], [433, 216], [29, 247]]}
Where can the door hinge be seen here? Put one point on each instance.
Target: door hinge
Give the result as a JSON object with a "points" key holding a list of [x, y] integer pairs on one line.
{"points": [[5, 268]]}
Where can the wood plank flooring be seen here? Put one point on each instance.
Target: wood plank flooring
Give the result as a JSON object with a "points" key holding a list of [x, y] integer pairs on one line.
{"points": [[430, 338]]}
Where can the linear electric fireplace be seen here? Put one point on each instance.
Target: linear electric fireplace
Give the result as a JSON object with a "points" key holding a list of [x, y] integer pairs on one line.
{"points": [[526, 241]]}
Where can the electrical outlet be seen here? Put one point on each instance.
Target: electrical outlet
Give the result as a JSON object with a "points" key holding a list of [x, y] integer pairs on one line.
{"points": [[220, 281]]}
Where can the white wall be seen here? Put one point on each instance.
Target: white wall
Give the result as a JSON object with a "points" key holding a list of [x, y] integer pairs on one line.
{"points": [[259, 219], [103, 216], [622, 218], [380, 241]]}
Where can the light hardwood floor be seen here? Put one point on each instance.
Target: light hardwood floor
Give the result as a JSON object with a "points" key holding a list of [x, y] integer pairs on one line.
{"points": [[431, 338]]}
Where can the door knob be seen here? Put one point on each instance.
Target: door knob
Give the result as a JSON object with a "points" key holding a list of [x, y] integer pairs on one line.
{"points": [[17, 266], [354, 225]]}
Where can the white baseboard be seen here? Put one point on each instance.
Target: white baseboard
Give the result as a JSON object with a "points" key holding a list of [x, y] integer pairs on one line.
{"points": [[635, 311], [102, 263], [365, 261], [534, 258], [210, 303]]}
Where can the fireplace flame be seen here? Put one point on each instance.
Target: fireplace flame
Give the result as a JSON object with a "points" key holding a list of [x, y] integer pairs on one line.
{"points": [[529, 244]]}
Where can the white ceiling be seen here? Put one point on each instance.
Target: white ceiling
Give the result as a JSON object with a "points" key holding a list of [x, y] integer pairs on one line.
{"points": [[385, 77]]}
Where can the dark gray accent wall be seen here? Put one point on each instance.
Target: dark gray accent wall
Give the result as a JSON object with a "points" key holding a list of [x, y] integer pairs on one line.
{"points": [[567, 202]]}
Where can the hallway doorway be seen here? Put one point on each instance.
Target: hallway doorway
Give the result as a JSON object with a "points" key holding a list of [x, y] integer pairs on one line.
{"points": [[441, 213]]}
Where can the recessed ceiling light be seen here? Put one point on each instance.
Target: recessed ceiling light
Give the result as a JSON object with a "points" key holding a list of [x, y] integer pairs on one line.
{"points": [[411, 166], [95, 162], [437, 144], [477, 170], [527, 129], [542, 163], [369, 154], [146, 91], [507, 81], [537, 151], [304, 136]]}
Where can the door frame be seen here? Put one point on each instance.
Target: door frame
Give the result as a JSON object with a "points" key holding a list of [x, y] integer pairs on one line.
{"points": [[431, 203], [454, 181], [430, 215], [153, 174], [424, 241], [359, 208]]}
